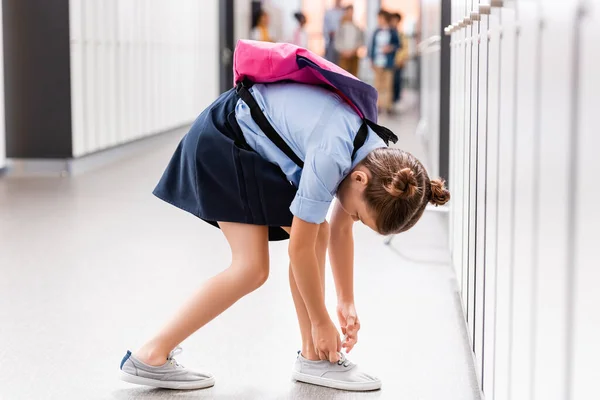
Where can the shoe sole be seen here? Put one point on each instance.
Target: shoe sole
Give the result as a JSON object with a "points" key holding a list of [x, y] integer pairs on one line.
{"points": [[330, 383], [138, 380]]}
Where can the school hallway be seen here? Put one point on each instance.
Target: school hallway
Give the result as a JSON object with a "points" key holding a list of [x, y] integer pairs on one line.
{"points": [[493, 295], [93, 264]]}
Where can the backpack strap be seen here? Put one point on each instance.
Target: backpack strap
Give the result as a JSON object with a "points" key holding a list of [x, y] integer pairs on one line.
{"points": [[242, 89], [263, 123], [384, 133], [361, 137]]}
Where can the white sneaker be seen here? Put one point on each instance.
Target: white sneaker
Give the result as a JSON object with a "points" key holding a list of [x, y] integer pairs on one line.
{"points": [[170, 375], [344, 374]]}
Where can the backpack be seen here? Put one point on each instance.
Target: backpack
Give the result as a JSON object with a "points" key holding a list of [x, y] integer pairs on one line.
{"points": [[262, 62]]}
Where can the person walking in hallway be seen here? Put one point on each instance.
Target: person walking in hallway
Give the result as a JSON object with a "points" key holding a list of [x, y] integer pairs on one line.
{"points": [[331, 23], [260, 28], [401, 58], [300, 37], [348, 40], [382, 52]]}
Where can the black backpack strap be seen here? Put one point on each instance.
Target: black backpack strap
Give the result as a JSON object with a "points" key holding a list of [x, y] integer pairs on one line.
{"points": [[263, 123], [381, 131], [360, 138], [384, 133]]}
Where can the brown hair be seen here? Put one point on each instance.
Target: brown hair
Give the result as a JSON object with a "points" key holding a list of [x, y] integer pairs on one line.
{"points": [[399, 189], [385, 15]]}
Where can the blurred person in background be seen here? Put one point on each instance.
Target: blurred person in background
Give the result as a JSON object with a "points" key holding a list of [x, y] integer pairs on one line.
{"points": [[401, 57], [382, 52], [300, 35], [348, 39], [260, 28], [331, 23]]}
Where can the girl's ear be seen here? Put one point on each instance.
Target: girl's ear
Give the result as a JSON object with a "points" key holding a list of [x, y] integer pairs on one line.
{"points": [[360, 177]]}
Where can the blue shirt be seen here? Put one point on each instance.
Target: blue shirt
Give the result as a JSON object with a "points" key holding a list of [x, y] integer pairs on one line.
{"points": [[320, 128]]}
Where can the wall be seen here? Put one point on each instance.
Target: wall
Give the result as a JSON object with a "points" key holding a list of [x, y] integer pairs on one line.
{"points": [[430, 52], [36, 78], [523, 221], [283, 22], [139, 67], [2, 125], [242, 19]]}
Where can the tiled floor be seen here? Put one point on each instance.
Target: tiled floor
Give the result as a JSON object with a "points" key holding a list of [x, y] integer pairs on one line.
{"points": [[94, 264]]}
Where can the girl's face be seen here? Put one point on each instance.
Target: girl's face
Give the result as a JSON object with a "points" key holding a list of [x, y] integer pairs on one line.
{"points": [[350, 196]]}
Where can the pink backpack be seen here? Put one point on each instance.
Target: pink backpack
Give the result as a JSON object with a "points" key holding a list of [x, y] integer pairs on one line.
{"points": [[263, 62]]}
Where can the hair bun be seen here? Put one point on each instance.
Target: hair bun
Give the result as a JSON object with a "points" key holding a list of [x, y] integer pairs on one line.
{"points": [[404, 184], [439, 194]]}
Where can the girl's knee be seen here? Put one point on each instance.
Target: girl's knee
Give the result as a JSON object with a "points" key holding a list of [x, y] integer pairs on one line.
{"points": [[253, 272]]}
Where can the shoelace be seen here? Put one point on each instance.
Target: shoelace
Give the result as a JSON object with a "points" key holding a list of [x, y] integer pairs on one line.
{"points": [[343, 360], [177, 350]]}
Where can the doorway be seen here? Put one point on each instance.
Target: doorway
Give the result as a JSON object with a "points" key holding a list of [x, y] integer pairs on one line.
{"points": [[226, 44]]}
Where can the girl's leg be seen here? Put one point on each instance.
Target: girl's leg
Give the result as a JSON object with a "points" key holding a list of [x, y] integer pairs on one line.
{"points": [[248, 271], [308, 348]]}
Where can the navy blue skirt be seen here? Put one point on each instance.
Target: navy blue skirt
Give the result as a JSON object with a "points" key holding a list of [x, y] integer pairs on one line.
{"points": [[216, 176]]}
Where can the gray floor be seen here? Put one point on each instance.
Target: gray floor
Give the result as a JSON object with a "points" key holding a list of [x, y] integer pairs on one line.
{"points": [[93, 265]]}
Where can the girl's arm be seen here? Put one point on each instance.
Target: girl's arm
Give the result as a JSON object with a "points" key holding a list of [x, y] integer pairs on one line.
{"points": [[341, 254], [303, 257], [305, 267]]}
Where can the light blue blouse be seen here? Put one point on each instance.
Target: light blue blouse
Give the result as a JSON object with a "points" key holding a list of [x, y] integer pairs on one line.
{"points": [[320, 128]]}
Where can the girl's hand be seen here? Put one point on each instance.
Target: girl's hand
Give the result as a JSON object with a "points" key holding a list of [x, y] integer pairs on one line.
{"points": [[350, 324], [327, 341]]}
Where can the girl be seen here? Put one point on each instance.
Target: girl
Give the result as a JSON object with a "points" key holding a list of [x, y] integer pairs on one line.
{"points": [[260, 28], [300, 38], [227, 172]]}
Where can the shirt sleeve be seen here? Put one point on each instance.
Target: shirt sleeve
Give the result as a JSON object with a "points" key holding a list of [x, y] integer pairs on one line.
{"points": [[321, 175]]}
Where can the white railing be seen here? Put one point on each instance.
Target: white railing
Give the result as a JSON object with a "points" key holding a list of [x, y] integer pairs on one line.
{"points": [[2, 125], [523, 173]]}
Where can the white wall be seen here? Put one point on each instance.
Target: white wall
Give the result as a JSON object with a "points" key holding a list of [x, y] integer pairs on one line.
{"points": [[2, 125], [139, 67], [242, 19], [430, 52], [524, 219], [283, 22]]}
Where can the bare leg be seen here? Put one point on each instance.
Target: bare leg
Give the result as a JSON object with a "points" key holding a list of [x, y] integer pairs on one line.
{"points": [[308, 348], [248, 271]]}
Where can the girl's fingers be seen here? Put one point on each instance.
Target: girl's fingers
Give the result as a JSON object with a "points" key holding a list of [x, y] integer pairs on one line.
{"points": [[334, 356], [349, 346], [324, 356]]}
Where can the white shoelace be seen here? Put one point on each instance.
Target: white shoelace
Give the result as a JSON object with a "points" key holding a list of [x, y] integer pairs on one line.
{"points": [[343, 360], [177, 350]]}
